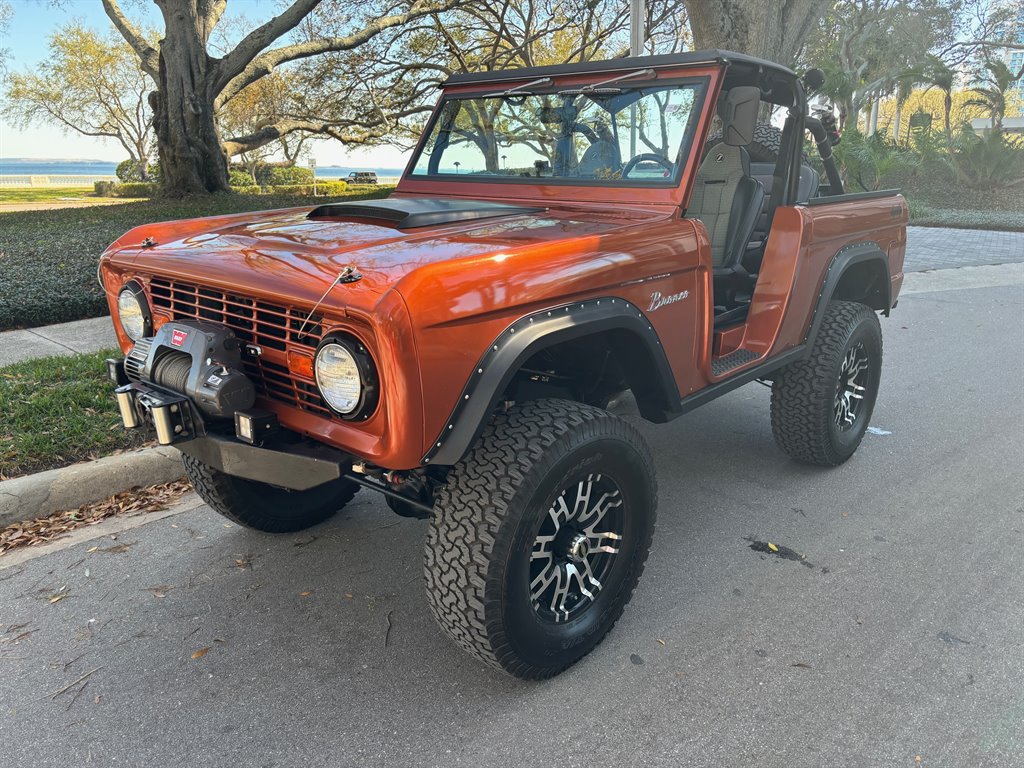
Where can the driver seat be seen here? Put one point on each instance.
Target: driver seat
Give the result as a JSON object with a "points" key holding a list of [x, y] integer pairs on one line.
{"points": [[726, 198]]}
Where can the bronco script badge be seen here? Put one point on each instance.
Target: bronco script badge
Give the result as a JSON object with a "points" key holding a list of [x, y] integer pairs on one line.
{"points": [[658, 301]]}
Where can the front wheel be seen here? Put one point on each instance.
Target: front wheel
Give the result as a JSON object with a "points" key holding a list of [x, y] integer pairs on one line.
{"points": [[539, 536], [265, 507], [821, 405]]}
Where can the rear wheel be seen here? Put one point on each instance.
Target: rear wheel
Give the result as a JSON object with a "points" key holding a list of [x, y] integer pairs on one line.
{"points": [[265, 507], [821, 405], [539, 536]]}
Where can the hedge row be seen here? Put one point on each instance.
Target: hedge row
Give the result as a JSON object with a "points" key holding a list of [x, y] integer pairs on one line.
{"points": [[139, 189], [48, 258]]}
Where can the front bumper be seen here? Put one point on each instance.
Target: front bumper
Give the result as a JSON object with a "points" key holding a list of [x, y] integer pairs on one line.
{"points": [[257, 451]]}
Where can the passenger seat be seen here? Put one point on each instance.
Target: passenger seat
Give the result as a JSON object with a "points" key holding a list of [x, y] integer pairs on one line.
{"points": [[726, 198]]}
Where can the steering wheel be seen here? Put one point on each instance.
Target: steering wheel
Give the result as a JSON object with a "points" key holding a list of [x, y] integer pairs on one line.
{"points": [[632, 163]]}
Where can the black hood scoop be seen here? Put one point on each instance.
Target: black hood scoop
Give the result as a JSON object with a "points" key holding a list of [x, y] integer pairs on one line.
{"points": [[412, 212]]}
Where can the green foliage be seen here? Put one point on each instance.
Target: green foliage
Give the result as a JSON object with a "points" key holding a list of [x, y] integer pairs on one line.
{"points": [[136, 189], [326, 188], [59, 410], [103, 188], [987, 162], [48, 258], [868, 160], [130, 170], [238, 177], [247, 189], [282, 175]]}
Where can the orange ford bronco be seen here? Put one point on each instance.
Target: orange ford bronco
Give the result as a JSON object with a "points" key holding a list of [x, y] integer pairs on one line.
{"points": [[563, 238]]}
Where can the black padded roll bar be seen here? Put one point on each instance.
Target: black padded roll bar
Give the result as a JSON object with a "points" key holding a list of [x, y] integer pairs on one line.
{"points": [[822, 139]]}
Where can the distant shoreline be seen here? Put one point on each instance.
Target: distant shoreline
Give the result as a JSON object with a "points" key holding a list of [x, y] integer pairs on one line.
{"points": [[29, 167]]}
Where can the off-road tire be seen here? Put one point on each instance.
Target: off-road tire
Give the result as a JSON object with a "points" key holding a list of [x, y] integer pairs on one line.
{"points": [[486, 521], [265, 507], [804, 393], [763, 148]]}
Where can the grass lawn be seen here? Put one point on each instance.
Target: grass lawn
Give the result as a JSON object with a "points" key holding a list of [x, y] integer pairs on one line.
{"points": [[59, 410], [46, 194], [48, 258]]}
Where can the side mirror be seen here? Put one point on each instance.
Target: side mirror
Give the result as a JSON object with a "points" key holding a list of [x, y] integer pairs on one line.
{"points": [[813, 80]]}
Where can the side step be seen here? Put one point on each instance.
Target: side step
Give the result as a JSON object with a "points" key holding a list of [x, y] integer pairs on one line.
{"points": [[722, 365]]}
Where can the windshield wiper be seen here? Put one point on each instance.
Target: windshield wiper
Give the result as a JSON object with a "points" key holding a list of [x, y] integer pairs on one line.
{"points": [[646, 73], [518, 88]]}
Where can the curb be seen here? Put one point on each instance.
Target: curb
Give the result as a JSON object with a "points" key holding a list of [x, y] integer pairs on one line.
{"points": [[56, 490]]}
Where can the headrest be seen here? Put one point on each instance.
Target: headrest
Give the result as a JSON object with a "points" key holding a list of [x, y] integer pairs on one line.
{"points": [[739, 114]]}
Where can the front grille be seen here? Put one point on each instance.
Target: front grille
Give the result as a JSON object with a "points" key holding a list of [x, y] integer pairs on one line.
{"points": [[272, 327]]}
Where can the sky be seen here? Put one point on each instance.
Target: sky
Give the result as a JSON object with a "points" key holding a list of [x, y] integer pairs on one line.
{"points": [[35, 20]]}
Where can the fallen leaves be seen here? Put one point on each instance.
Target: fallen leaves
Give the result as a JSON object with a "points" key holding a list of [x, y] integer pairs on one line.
{"points": [[160, 590], [307, 593], [200, 653], [772, 547], [30, 533]]}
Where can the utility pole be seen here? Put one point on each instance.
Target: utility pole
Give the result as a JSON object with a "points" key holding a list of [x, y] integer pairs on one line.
{"points": [[637, 12]]}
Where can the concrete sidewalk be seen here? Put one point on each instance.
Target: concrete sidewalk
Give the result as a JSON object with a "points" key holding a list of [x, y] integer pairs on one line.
{"points": [[64, 339], [927, 248]]}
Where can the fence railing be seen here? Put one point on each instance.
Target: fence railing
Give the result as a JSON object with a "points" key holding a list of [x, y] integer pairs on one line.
{"points": [[60, 180], [68, 180]]}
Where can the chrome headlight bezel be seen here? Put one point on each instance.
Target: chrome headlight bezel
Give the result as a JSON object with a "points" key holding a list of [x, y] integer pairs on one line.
{"points": [[362, 404], [135, 326]]}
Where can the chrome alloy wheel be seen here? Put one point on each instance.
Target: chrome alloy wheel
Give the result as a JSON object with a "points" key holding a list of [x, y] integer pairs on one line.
{"points": [[852, 387], [575, 548]]}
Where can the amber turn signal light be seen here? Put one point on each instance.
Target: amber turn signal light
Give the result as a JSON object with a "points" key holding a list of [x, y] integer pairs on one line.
{"points": [[300, 364]]}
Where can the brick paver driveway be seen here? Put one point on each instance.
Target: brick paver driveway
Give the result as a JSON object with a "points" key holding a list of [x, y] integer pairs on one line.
{"points": [[943, 248]]}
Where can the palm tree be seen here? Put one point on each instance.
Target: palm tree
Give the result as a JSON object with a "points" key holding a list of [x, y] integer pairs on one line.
{"points": [[940, 75], [993, 95]]}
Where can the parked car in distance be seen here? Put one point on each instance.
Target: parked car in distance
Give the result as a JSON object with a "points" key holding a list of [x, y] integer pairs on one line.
{"points": [[565, 239], [362, 177]]}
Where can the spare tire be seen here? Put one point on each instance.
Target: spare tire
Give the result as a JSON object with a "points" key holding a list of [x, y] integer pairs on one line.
{"points": [[763, 148]]}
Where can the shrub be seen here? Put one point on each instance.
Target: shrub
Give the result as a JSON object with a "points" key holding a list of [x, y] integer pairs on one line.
{"points": [[247, 189], [282, 175], [238, 177], [323, 188], [332, 188], [136, 189], [986, 162], [869, 160], [103, 188], [130, 170]]}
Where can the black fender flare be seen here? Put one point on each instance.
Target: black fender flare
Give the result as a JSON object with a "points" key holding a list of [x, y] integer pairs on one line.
{"points": [[848, 256], [532, 333]]}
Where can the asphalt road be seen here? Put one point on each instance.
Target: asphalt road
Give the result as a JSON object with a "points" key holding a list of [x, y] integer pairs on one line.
{"points": [[898, 642]]}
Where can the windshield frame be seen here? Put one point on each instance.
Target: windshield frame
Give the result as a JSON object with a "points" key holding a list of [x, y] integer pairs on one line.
{"points": [[700, 83]]}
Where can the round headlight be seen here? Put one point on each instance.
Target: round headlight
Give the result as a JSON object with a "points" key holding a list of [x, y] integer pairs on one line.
{"points": [[338, 377], [131, 312]]}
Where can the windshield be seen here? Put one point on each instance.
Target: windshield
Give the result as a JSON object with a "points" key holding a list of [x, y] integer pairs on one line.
{"points": [[602, 136]]}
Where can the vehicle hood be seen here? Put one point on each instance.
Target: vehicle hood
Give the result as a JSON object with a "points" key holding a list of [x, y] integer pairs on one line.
{"points": [[290, 256]]}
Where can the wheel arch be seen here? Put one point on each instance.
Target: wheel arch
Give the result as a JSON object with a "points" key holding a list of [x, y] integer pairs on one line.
{"points": [[858, 272], [621, 324]]}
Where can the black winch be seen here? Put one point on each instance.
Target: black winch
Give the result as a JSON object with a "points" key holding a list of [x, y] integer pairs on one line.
{"points": [[202, 361]]}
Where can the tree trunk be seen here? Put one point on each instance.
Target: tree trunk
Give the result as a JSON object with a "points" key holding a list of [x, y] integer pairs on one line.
{"points": [[773, 30], [897, 121], [191, 156]]}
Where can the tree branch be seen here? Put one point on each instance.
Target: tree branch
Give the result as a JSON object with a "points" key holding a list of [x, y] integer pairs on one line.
{"points": [[260, 38], [147, 54], [264, 63]]}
